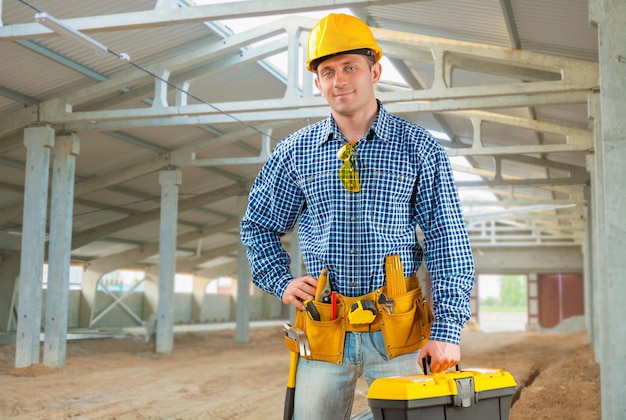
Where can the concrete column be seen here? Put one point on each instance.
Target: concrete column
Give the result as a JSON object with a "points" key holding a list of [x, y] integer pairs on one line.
{"points": [[588, 266], [170, 181], [66, 149], [533, 303], [595, 165], [244, 278], [38, 141], [610, 16]]}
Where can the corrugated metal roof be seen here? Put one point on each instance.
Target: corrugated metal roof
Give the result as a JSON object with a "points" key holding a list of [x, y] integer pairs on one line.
{"points": [[143, 46], [100, 153], [16, 12], [556, 27], [467, 20], [34, 75], [548, 27]]}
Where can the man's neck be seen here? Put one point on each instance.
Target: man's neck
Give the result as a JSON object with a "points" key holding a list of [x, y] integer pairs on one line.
{"points": [[355, 126]]}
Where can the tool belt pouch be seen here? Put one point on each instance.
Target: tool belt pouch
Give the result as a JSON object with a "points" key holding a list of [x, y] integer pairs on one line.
{"points": [[407, 329], [292, 345], [327, 336]]}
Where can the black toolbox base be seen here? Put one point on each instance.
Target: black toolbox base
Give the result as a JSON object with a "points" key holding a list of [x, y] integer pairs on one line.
{"points": [[487, 409]]}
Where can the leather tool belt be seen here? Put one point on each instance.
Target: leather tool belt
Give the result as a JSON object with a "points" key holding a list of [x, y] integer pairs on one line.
{"points": [[405, 321]]}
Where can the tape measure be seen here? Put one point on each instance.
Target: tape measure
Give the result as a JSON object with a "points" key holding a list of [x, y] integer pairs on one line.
{"points": [[362, 312]]}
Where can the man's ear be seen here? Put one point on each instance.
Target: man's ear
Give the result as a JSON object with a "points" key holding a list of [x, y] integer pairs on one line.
{"points": [[317, 84], [377, 70]]}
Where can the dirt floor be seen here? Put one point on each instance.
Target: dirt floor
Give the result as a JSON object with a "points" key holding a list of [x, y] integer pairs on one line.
{"points": [[211, 376]]}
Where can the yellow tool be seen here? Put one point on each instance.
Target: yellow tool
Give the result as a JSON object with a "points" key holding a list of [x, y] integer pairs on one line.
{"points": [[362, 312], [298, 345], [323, 290], [322, 294], [396, 284], [311, 310], [291, 386]]}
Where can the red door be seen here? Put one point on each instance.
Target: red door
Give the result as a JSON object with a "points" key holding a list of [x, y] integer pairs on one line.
{"points": [[560, 296]]}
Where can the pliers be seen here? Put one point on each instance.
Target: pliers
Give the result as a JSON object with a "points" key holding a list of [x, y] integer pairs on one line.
{"points": [[323, 287]]}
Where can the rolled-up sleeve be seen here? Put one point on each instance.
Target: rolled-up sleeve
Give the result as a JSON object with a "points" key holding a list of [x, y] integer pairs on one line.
{"points": [[274, 203], [447, 251]]}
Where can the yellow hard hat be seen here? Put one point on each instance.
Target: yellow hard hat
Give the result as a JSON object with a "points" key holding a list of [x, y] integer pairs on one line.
{"points": [[340, 34]]}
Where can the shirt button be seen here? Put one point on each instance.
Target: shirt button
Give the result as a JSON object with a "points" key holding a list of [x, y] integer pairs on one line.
{"points": [[353, 284], [352, 251], [353, 218], [309, 180]]}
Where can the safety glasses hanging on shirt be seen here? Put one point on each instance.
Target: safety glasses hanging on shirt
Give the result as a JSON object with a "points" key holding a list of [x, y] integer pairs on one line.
{"points": [[348, 174]]}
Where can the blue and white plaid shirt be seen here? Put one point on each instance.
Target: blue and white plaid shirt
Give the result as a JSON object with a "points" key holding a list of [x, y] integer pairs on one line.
{"points": [[406, 180]]}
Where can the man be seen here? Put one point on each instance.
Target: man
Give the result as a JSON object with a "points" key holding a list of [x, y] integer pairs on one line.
{"points": [[358, 183]]}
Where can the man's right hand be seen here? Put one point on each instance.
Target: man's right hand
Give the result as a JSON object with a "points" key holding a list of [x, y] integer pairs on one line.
{"points": [[442, 355], [299, 290]]}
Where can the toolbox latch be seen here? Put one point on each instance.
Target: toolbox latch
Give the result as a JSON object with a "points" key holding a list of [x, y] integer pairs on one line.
{"points": [[465, 395]]}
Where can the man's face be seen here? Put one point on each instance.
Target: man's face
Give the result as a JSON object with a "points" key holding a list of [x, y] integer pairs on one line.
{"points": [[347, 81]]}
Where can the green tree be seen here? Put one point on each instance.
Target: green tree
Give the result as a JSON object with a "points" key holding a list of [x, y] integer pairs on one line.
{"points": [[490, 301], [513, 291]]}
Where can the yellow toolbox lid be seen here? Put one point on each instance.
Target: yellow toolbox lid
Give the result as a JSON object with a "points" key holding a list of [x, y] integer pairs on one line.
{"points": [[490, 379], [443, 384]]}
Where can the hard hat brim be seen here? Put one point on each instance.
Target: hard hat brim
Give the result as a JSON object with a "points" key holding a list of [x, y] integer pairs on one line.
{"points": [[314, 64]]}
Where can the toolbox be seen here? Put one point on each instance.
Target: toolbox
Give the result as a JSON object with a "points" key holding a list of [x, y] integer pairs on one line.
{"points": [[468, 394]]}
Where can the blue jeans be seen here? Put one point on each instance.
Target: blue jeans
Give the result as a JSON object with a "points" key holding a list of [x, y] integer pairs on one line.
{"points": [[325, 391]]}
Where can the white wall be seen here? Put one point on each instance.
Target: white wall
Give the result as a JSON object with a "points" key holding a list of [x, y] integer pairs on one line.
{"points": [[215, 308]]}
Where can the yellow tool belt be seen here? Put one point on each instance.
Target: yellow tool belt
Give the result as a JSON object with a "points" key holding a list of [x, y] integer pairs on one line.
{"points": [[405, 323]]}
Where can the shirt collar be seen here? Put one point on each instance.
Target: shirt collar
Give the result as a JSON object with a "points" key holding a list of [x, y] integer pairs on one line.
{"points": [[330, 129]]}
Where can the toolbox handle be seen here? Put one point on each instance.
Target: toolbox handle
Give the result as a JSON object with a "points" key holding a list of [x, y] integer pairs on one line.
{"points": [[426, 364]]}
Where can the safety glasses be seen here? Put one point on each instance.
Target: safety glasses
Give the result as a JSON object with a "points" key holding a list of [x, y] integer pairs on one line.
{"points": [[348, 174]]}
